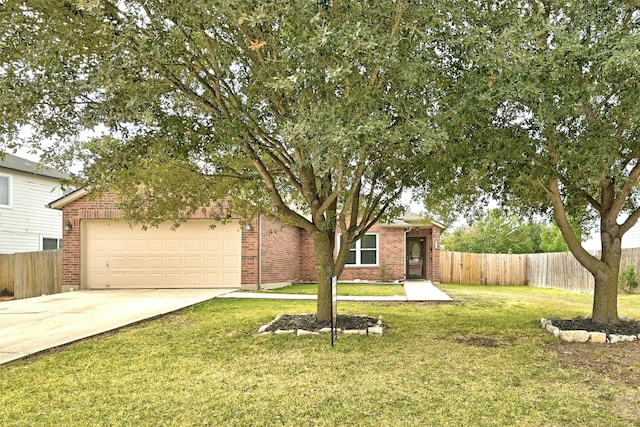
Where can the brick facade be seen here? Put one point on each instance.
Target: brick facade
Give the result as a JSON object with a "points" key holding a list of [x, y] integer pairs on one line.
{"points": [[278, 255]]}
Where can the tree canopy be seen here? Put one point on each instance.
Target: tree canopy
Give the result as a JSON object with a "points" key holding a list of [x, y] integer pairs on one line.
{"points": [[316, 112], [542, 115], [496, 232]]}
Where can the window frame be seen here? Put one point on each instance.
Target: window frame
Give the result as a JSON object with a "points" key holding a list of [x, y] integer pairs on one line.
{"points": [[57, 239], [9, 204], [358, 251]]}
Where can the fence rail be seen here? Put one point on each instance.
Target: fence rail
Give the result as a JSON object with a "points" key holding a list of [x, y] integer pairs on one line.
{"points": [[558, 270], [31, 274]]}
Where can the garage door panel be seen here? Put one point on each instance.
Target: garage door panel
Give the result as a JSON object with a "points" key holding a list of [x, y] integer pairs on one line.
{"points": [[215, 246], [175, 262], [192, 245], [135, 245], [118, 256], [175, 245], [115, 262], [134, 262], [156, 262], [230, 262]]}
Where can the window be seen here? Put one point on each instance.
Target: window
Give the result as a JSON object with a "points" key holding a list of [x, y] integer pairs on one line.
{"points": [[5, 190], [50, 243], [363, 251]]}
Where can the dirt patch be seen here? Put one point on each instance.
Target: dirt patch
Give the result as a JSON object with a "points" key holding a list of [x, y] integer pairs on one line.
{"points": [[619, 363], [308, 322], [478, 341], [6, 295]]}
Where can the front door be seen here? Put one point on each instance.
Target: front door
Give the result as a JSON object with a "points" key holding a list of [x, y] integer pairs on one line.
{"points": [[416, 258]]}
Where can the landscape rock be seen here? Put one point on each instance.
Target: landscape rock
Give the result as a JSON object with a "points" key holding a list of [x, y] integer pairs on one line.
{"points": [[614, 338], [284, 331], [597, 337], [574, 336], [304, 332], [553, 329], [375, 330], [263, 328], [355, 332]]}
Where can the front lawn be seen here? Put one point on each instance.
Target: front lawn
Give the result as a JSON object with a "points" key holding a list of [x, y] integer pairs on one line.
{"points": [[480, 361]]}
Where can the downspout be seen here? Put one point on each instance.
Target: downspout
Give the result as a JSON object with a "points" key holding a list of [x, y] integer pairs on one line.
{"points": [[259, 251]]}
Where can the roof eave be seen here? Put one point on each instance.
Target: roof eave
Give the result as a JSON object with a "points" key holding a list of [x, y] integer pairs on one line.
{"points": [[63, 201]]}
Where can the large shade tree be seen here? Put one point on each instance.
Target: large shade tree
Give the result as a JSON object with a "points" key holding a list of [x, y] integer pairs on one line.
{"points": [[317, 111], [496, 232], [543, 115]]}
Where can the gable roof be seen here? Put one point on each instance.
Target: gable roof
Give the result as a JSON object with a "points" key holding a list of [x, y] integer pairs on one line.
{"points": [[68, 198], [412, 220], [27, 166]]}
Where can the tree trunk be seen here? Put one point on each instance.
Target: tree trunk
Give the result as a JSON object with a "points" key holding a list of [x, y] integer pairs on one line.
{"points": [[605, 297], [324, 246]]}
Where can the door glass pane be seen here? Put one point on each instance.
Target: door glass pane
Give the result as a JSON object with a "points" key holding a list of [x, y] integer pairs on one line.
{"points": [[415, 250]]}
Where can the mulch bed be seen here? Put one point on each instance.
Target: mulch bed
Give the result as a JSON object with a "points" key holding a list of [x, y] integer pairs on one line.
{"points": [[308, 322], [629, 327]]}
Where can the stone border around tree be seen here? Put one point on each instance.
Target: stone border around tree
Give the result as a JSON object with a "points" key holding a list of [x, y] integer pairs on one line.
{"points": [[581, 336], [377, 330]]}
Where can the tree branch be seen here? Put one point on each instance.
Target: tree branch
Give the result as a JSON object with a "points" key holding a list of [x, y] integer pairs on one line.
{"points": [[559, 214]]}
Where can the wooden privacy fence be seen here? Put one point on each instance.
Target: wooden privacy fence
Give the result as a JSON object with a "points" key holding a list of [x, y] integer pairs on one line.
{"points": [[483, 269], [31, 274], [559, 270]]}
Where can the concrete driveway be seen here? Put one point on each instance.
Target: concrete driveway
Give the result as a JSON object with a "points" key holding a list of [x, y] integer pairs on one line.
{"points": [[32, 325]]}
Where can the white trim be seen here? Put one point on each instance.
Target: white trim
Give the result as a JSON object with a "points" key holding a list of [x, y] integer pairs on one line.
{"points": [[9, 191], [358, 251], [65, 200]]}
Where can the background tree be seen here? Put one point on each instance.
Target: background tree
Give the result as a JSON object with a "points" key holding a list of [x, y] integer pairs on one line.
{"points": [[496, 232], [315, 111], [543, 113]]}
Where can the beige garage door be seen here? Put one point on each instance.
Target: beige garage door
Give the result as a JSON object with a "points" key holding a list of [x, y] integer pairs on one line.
{"points": [[114, 255]]}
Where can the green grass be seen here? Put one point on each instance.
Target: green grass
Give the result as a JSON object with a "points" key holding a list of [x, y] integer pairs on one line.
{"points": [[345, 289], [205, 366]]}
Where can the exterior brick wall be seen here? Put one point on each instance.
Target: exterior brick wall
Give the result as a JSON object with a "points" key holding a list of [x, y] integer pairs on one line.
{"points": [[390, 258], [73, 214], [249, 273], [280, 252], [435, 258], [287, 252], [307, 258]]}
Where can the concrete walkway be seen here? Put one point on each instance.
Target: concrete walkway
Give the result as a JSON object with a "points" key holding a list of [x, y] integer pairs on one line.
{"points": [[31, 325], [415, 290]]}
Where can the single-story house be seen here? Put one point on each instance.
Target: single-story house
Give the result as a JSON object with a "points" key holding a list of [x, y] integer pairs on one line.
{"points": [[26, 225], [102, 251]]}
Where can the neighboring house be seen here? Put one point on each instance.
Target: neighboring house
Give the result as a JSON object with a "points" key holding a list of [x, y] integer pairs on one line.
{"points": [[25, 222], [101, 251], [631, 239]]}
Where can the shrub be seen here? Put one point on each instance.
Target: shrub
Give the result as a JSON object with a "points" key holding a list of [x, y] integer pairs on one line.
{"points": [[628, 279]]}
